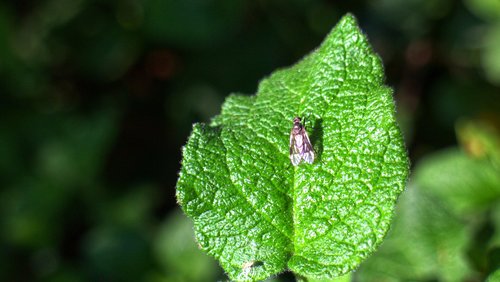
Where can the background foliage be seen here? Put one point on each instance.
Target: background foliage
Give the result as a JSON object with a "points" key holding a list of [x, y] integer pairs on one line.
{"points": [[97, 97]]}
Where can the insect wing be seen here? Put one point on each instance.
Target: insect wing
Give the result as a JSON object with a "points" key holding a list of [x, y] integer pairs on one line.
{"points": [[307, 152], [295, 155]]}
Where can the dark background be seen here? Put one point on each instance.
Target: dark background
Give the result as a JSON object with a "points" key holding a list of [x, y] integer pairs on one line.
{"points": [[97, 98]]}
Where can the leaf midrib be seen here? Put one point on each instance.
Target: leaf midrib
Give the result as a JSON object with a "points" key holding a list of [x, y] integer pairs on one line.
{"points": [[231, 172]]}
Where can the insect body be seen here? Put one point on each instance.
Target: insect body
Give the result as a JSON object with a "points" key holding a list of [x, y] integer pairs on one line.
{"points": [[300, 146]]}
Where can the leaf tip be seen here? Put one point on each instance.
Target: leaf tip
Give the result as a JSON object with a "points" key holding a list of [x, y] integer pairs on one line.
{"points": [[348, 20]]}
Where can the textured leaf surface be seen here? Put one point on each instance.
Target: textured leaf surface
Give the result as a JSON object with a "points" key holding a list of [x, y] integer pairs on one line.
{"points": [[258, 214], [443, 213], [426, 243]]}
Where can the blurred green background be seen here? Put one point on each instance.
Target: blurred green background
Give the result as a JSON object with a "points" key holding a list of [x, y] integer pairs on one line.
{"points": [[97, 98]]}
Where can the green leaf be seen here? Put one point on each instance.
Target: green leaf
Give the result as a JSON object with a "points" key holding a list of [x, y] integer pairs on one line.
{"points": [[494, 277], [446, 213], [465, 184], [259, 215], [492, 246], [344, 278], [426, 243]]}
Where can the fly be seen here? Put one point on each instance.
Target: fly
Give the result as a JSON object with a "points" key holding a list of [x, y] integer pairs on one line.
{"points": [[300, 146]]}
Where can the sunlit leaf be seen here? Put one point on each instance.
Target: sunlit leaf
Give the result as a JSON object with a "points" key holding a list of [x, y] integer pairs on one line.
{"points": [[259, 215]]}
